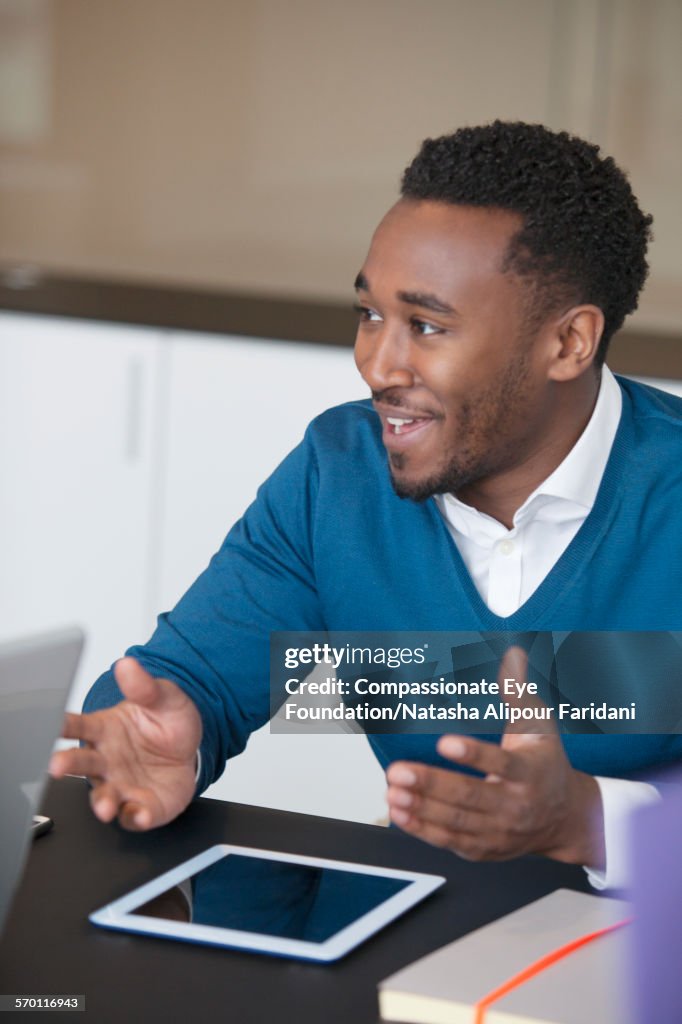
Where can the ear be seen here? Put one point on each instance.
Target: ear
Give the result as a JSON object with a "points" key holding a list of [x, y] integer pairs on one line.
{"points": [[576, 338]]}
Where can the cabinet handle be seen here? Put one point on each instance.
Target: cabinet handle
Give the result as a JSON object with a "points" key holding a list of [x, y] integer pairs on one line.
{"points": [[133, 422]]}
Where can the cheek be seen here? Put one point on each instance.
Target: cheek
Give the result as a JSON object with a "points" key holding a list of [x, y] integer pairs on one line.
{"points": [[444, 378], [462, 380]]}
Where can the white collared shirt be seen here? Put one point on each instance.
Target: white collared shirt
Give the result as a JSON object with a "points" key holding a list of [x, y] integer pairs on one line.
{"points": [[507, 566]]}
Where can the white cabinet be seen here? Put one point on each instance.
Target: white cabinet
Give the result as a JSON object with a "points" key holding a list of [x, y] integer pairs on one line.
{"points": [[236, 407], [78, 407]]}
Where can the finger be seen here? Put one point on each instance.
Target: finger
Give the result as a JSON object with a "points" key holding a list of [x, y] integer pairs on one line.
{"points": [[404, 805], [486, 758], [82, 727], [77, 761], [151, 692], [514, 665], [465, 791], [134, 817], [137, 810], [105, 800], [135, 683], [530, 714], [140, 811], [466, 845]]}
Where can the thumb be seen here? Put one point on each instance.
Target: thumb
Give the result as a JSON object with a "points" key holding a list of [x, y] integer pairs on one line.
{"points": [[528, 714], [137, 685]]}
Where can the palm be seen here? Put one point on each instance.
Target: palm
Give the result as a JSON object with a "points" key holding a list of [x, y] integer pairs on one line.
{"points": [[140, 753], [151, 751]]}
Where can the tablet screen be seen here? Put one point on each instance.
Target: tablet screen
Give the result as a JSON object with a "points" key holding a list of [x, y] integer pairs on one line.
{"points": [[272, 897]]}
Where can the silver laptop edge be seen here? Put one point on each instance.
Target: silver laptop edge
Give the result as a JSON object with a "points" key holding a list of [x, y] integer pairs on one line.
{"points": [[36, 674]]}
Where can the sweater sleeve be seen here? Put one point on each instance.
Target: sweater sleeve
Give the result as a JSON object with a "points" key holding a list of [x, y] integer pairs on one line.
{"points": [[215, 643]]}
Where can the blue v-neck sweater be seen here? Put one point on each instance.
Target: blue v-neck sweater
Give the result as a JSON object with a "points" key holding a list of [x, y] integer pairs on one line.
{"points": [[327, 545]]}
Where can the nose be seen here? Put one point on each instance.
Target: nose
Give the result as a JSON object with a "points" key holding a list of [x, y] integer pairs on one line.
{"points": [[382, 356]]}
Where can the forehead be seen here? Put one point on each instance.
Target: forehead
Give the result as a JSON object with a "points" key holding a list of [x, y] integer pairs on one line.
{"points": [[439, 247]]}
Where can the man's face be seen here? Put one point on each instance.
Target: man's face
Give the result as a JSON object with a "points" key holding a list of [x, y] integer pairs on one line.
{"points": [[460, 388]]}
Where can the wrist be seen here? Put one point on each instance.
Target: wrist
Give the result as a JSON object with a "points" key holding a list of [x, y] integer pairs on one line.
{"points": [[581, 836]]}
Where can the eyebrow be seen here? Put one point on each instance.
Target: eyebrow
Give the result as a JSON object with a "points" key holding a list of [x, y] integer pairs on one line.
{"points": [[427, 300]]}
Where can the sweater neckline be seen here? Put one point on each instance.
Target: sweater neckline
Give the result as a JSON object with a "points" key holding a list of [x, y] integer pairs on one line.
{"points": [[573, 561]]}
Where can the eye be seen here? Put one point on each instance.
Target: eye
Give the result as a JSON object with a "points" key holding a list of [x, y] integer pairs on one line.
{"points": [[367, 315], [423, 328]]}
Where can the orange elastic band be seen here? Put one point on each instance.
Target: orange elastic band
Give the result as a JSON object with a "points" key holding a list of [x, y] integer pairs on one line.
{"points": [[536, 968]]}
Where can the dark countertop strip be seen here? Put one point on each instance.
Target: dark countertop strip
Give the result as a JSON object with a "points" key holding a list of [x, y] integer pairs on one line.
{"points": [[636, 352]]}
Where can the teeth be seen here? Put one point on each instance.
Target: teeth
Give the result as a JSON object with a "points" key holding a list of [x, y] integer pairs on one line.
{"points": [[397, 424]]}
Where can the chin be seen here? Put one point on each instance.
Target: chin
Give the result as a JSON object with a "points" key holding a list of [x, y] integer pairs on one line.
{"points": [[447, 480], [416, 490]]}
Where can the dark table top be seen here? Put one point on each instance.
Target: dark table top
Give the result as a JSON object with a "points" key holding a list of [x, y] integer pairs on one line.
{"points": [[50, 948]]}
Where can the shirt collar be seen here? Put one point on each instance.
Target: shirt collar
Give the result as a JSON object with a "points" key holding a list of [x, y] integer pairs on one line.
{"points": [[576, 480], [578, 477]]}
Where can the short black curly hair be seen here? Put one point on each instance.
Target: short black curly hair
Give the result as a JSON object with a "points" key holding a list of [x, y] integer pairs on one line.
{"points": [[583, 237]]}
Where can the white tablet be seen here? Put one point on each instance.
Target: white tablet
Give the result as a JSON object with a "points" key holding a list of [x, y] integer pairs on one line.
{"points": [[267, 902]]}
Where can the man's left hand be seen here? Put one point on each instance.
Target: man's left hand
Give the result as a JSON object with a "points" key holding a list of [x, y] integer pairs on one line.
{"points": [[529, 800]]}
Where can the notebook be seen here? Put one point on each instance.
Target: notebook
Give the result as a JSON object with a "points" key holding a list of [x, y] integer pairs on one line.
{"points": [[515, 953]]}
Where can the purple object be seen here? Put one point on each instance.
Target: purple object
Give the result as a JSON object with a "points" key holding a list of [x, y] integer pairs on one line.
{"points": [[657, 898]]}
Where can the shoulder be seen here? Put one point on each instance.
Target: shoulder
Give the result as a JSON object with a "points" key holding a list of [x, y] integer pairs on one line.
{"points": [[652, 404], [340, 447], [344, 443], [347, 429], [652, 425]]}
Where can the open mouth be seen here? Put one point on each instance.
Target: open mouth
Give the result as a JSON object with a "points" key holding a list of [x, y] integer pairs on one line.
{"points": [[398, 425]]}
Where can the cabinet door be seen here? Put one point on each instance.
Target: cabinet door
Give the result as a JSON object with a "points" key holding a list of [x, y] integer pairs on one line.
{"points": [[77, 415], [236, 408]]}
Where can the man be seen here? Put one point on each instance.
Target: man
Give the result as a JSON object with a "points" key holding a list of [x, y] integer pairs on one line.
{"points": [[501, 480]]}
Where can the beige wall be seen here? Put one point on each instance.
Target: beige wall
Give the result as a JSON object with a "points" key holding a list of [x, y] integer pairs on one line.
{"points": [[255, 143]]}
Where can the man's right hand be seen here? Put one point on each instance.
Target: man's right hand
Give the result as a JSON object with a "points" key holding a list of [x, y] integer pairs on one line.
{"points": [[140, 754]]}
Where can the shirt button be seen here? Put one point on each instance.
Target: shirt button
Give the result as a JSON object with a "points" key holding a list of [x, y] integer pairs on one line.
{"points": [[506, 547]]}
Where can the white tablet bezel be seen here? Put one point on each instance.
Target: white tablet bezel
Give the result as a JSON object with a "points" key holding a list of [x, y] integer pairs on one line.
{"points": [[118, 914]]}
